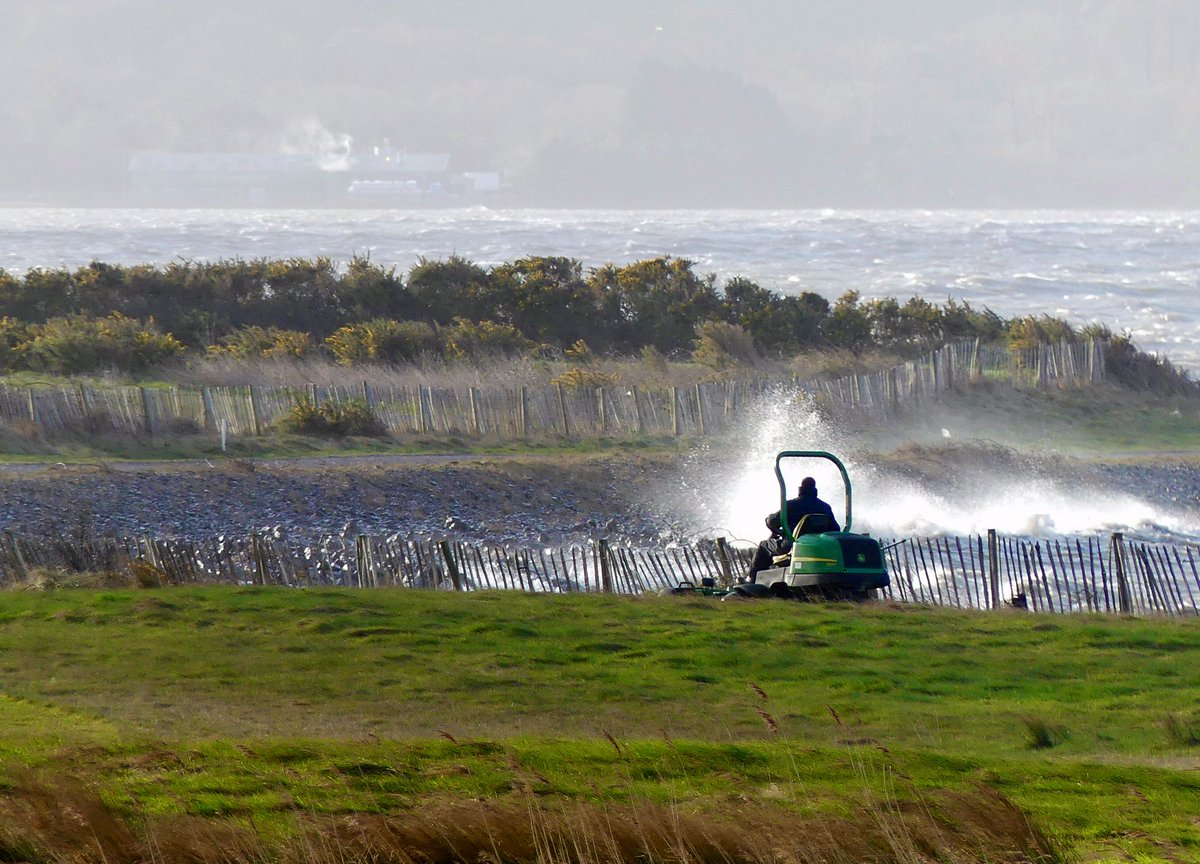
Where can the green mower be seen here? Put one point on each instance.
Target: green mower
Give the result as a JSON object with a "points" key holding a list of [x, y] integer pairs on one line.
{"points": [[823, 564]]}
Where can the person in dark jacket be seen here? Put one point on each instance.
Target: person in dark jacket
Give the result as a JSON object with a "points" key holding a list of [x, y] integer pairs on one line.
{"points": [[805, 504]]}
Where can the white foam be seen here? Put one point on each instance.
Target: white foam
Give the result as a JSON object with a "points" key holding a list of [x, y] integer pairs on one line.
{"points": [[887, 504]]}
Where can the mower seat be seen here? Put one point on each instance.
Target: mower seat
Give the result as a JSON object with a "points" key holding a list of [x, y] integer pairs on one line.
{"points": [[814, 523]]}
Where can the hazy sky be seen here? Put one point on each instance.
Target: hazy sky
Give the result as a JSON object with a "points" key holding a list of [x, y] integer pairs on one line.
{"points": [[650, 103]]}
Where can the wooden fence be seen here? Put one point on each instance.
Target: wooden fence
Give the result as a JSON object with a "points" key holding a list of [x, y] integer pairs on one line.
{"points": [[1062, 575], [519, 412]]}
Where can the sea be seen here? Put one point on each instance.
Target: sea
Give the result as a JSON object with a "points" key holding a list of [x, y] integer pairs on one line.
{"points": [[1135, 271]]}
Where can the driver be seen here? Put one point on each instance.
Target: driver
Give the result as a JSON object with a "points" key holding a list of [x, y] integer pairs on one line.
{"points": [[806, 503]]}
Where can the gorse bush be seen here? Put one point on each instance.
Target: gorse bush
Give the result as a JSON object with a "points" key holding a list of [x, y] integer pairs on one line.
{"points": [[383, 341], [584, 379], [482, 340], [77, 344], [251, 343], [332, 419], [458, 310], [1031, 331]]}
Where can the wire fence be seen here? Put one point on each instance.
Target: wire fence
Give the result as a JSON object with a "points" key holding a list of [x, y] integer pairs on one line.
{"points": [[1106, 575], [550, 410]]}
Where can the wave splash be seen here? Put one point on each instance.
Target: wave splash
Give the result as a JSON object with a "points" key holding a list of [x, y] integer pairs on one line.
{"points": [[1015, 494]]}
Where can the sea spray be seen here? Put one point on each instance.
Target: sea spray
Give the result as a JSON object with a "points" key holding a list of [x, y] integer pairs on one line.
{"points": [[728, 488]]}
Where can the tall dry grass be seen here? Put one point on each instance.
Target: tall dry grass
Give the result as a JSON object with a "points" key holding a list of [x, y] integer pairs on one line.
{"points": [[215, 371], [45, 821]]}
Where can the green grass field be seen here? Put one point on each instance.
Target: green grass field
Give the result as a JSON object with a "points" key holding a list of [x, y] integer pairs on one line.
{"points": [[266, 708]]}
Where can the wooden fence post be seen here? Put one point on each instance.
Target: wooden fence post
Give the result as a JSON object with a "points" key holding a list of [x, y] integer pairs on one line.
{"points": [[210, 413], [151, 551], [699, 410], [637, 410], [1096, 360], [523, 409], [726, 565], [260, 558], [425, 419], [365, 389], [451, 565], [360, 560], [147, 411], [605, 566], [1043, 366], [562, 410], [476, 428], [33, 409], [1124, 598], [255, 414], [994, 567], [977, 361], [22, 567], [311, 390], [674, 410], [600, 409]]}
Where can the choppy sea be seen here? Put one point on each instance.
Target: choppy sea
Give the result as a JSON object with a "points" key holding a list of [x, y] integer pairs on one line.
{"points": [[1134, 271]]}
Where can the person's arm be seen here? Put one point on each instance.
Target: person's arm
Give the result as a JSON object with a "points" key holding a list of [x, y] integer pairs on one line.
{"points": [[832, 518], [772, 521]]}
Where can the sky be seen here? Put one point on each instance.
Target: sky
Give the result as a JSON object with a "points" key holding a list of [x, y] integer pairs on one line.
{"points": [[654, 103]]}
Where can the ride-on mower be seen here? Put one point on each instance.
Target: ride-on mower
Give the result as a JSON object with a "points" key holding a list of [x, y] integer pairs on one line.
{"points": [[823, 564]]}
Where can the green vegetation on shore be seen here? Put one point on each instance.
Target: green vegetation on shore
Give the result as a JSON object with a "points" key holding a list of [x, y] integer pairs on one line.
{"points": [[256, 708], [132, 319]]}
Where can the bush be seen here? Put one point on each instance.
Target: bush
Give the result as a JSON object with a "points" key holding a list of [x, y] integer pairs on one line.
{"points": [[13, 336], [579, 351], [1031, 331], [1138, 370], [333, 419], [76, 344], [655, 361], [368, 291], [482, 340], [583, 379], [250, 343], [452, 288], [723, 346], [382, 341]]}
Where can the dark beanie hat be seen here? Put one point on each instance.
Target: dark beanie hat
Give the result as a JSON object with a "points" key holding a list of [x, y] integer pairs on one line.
{"points": [[808, 484]]}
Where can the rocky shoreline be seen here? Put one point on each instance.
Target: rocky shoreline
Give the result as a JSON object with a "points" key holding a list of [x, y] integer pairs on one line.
{"points": [[507, 500], [639, 499]]}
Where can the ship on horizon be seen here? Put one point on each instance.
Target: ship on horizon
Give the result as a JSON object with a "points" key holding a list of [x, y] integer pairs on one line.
{"points": [[381, 177]]}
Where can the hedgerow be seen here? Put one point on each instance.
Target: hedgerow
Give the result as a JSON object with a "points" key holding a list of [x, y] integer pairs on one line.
{"points": [[106, 316]]}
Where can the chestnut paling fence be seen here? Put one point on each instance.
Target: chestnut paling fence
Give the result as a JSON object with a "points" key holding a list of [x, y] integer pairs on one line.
{"points": [[1110, 574], [516, 412]]}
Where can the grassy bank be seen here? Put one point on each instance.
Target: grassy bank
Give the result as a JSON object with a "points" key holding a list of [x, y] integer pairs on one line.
{"points": [[1105, 420], [266, 710]]}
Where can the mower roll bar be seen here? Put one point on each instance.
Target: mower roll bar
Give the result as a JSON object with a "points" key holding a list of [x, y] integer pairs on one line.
{"points": [[807, 454]]}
